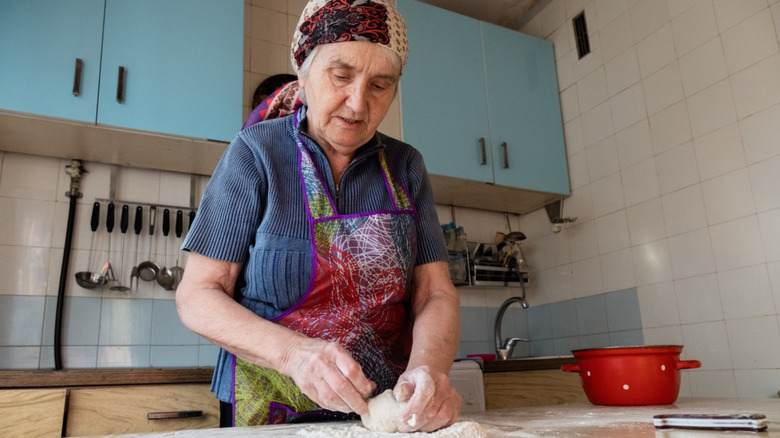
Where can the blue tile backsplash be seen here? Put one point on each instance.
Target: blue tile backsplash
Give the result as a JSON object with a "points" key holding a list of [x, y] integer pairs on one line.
{"points": [[117, 332], [21, 320], [609, 319], [102, 332]]}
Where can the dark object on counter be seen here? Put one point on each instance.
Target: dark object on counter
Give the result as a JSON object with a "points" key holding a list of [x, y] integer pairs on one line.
{"points": [[631, 376], [752, 422], [169, 415]]}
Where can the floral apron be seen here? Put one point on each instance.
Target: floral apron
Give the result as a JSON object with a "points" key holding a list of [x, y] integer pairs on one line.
{"points": [[358, 297]]}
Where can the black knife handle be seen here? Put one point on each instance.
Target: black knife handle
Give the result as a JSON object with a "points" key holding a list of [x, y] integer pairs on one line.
{"points": [[110, 217], [179, 223], [166, 222], [95, 220], [123, 221], [139, 220]]}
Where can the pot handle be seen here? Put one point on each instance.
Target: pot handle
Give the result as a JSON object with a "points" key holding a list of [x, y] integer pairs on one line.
{"points": [[570, 368], [686, 364]]}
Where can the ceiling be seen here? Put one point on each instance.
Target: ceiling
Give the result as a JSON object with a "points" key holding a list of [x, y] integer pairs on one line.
{"points": [[508, 13]]}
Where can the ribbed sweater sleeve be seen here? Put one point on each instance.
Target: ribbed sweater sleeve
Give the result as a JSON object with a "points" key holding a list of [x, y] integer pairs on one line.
{"points": [[430, 245], [230, 209]]}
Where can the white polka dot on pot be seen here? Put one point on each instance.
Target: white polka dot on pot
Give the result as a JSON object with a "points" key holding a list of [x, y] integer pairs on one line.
{"points": [[625, 387]]}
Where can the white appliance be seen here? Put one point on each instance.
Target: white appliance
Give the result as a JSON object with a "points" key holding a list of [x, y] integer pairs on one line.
{"points": [[466, 377]]}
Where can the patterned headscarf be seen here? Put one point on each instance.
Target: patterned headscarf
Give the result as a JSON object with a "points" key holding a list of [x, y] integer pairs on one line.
{"points": [[333, 21]]}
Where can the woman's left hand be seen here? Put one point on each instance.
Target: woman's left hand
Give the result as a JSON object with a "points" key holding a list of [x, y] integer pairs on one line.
{"points": [[433, 402]]}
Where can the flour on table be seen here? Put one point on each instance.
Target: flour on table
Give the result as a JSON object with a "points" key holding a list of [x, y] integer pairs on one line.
{"points": [[470, 429]]}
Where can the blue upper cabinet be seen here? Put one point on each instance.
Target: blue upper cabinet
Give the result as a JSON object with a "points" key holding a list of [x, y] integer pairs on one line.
{"points": [[183, 66], [469, 82], [443, 95], [524, 111], [40, 42], [182, 63]]}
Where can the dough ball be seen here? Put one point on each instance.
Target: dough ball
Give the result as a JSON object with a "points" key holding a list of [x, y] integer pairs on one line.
{"points": [[384, 413]]}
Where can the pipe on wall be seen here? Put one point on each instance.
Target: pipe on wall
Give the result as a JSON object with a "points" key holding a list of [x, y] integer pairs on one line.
{"points": [[74, 170]]}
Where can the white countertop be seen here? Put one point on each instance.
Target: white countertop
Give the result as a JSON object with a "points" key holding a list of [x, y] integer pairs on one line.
{"points": [[580, 420]]}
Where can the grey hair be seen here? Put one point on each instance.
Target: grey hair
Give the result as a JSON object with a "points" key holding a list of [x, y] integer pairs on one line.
{"points": [[303, 70]]}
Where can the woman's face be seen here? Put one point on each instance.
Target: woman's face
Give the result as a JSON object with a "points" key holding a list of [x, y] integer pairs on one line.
{"points": [[349, 89]]}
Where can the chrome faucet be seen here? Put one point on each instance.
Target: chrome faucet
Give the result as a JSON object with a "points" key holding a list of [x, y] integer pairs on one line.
{"points": [[504, 350]]}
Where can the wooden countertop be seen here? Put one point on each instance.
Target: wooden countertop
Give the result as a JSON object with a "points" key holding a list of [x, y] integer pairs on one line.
{"points": [[577, 419], [103, 377]]}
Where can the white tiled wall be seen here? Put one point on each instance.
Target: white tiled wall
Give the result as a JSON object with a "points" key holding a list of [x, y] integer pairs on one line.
{"points": [[671, 129], [672, 126]]}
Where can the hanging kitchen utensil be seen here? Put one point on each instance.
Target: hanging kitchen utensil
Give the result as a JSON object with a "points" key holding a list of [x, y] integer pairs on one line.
{"points": [[177, 271], [148, 270], [165, 276], [107, 272], [123, 229], [84, 278], [137, 224]]}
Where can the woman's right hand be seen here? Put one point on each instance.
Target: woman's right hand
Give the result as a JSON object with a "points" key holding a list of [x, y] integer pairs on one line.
{"points": [[327, 373], [324, 371]]}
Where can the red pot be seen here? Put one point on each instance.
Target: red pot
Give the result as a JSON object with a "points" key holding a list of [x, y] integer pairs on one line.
{"points": [[631, 376]]}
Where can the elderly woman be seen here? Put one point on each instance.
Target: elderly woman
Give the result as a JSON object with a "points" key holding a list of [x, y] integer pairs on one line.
{"points": [[317, 261]]}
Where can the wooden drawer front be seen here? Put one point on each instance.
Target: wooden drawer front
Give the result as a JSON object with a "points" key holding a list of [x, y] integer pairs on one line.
{"points": [[532, 388], [124, 409], [32, 412]]}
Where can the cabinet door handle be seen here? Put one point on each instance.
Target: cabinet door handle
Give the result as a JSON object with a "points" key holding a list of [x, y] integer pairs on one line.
{"points": [[506, 155], [77, 77], [120, 85], [173, 414], [484, 151]]}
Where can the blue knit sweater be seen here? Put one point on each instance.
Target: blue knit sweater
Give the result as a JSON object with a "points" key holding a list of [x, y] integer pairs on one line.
{"points": [[253, 213]]}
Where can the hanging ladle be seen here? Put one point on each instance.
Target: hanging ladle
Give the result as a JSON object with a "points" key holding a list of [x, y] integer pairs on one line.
{"points": [[165, 276], [148, 270], [123, 228], [177, 271], [137, 228], [87, 279], [107, 273]]}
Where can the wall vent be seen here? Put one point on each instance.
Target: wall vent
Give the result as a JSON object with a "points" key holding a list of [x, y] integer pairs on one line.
{"points": [[581, 34]]}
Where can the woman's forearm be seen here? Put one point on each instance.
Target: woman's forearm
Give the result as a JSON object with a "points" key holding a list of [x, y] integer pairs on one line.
{"points": [[436, 309], [227, 324], [205, 303]]}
